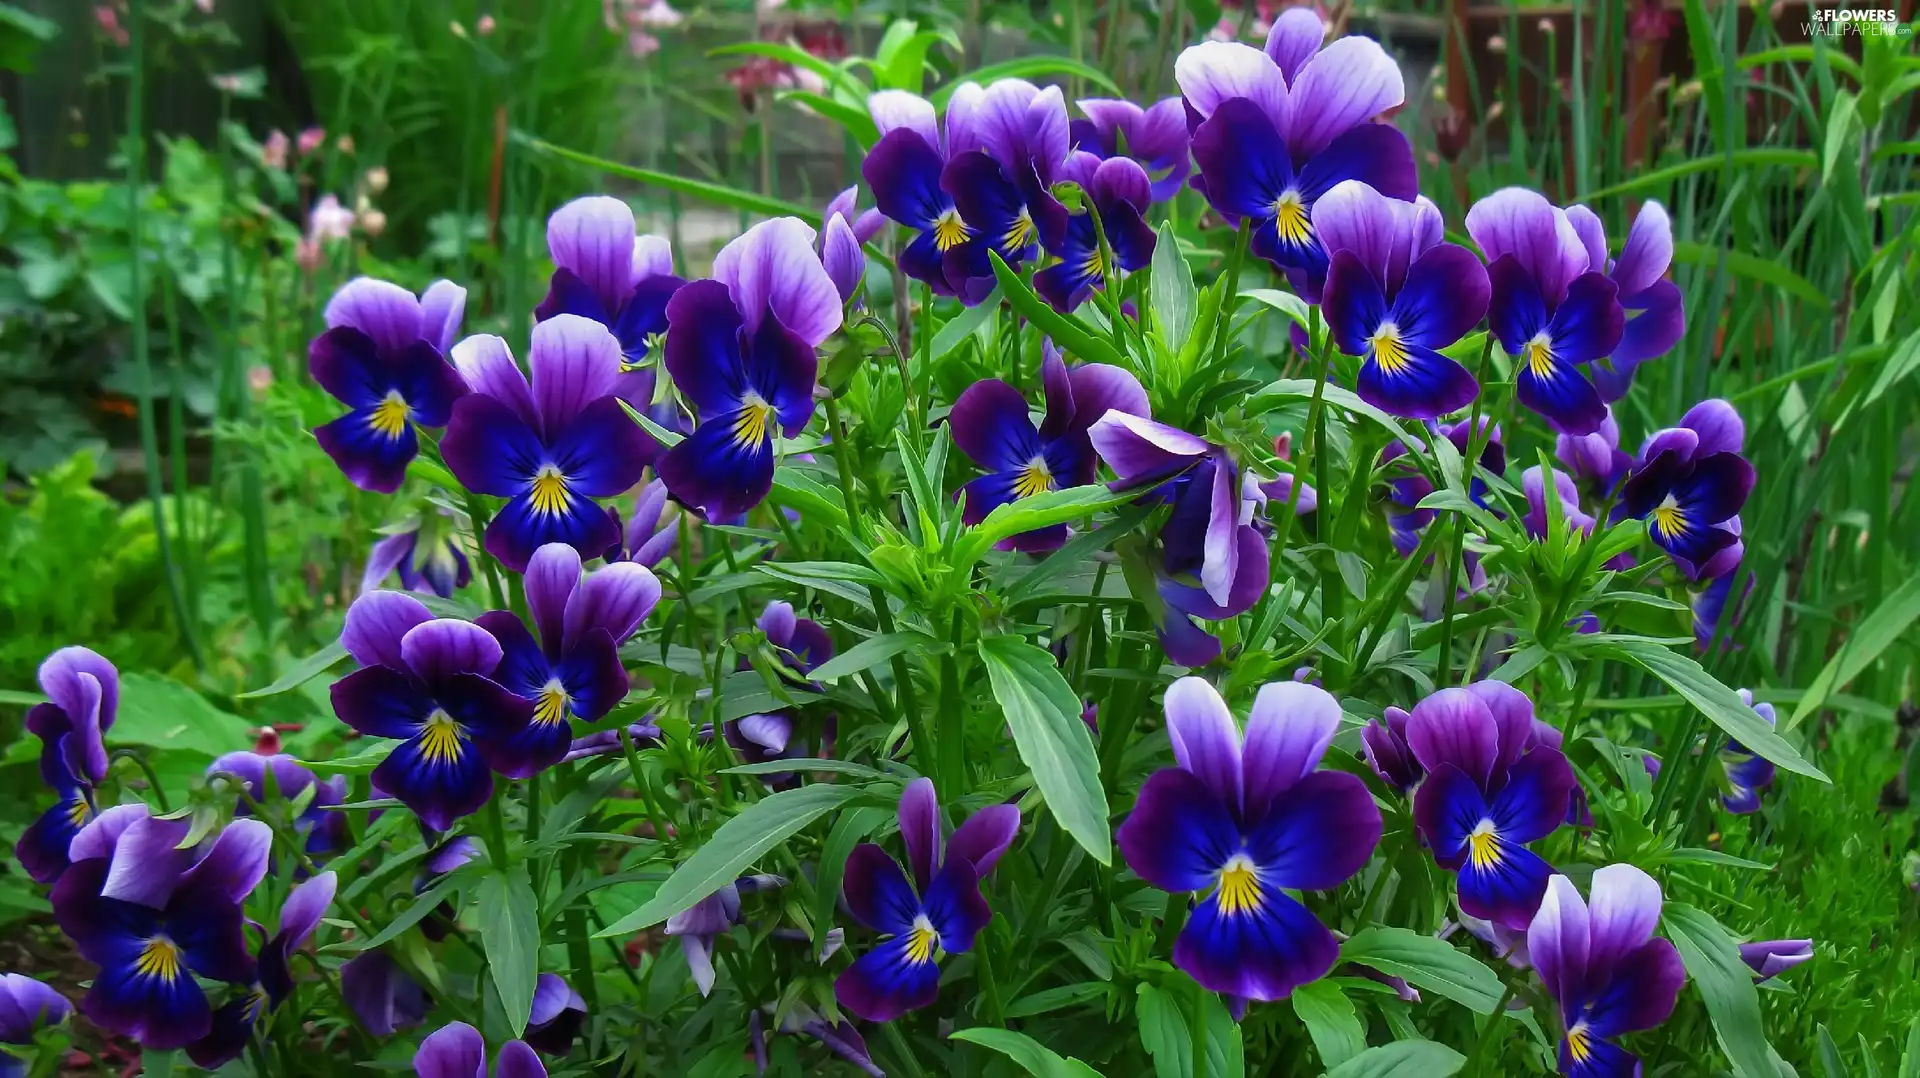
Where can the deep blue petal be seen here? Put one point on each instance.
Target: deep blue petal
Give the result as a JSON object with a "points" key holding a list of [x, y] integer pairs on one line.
{"points": [[371, 456], [427, 382], [1533, 803], [1317, 834], [1243, 161], [644, 315], [208, 928], [520, 528], [954, 905], [594, 679], [718, 471], [1588, 323], [1551, 385], [161, 1012], [1516, 311], [489, 448], [1179, 834], [1597, 1058], [232, 1027], [1716, 488], [381, 702], [887, 982], [440, 786], [1444, 296], [877, 893], [42, 848], [568, 294], [991, 205], [346, 363], [482, 706], [1352, 304], [1377, 155], [923, 260], [1503, 881], [1446, 808], [1261, 953], [603, 453], [1639, 992], [703, 352], [524, 668], [1066, 284], [904, 174], [1421, 383], [781, 368]]}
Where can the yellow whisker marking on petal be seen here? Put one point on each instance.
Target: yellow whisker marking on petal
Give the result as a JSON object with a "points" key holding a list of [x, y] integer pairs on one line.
{"points": [[160, 957], [79, 812], [1579, 1043], [442, 740], [549, 495], [1239, 886], [1668, 518], [553, 704], [922, 940], [1483, 845], [753, 423], [949, 231], [1035, 478], [1389, 349], [389, 419], [1540, 358], [1021, 232], [1290, 219]]}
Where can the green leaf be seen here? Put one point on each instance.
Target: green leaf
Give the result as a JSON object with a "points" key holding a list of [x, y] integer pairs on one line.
{"points": [[1759, 157], [1330, 1020], [158, 1064], [1069, 333], [1426, 962], [1027, 67], [1285, 302], [1032, 1056], [782, 766], [1044, 714], [1725, 983], [21, 697], [511, 940], [1873, 635], [1910, 1059], [428, 901], [1030, 514], [1831, 1065], [961, 326], [1173, 298], [736, 845], [1053, 999], [303, 671], [1717, 702], [857, 121], [1302, 389], [360, 763], [1753, 267], [870, 653], [716, 193], [1402, 1059], [1164, 1034], [159, 712], [848, 830]]}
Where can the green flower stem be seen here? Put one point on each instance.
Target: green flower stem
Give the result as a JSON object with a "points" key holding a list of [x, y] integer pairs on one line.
{"points": [[153, 780], [952, 727], [1494, 1021], [1232, 296], [640, 785], [477, 517], [496, 825]]}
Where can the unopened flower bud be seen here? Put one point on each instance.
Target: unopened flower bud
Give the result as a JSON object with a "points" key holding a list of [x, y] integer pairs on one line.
{"points": [[373, 222], [377, 179], [485, 26], [456, 29], [1497, 45]]}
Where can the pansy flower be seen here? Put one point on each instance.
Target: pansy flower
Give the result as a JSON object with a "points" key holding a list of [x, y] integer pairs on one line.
{"points": [[1770, 958], [384, 357], [456, 1050], [83, 697], [603, 272], [1119, 193], [1603, 965], [1244, 820], [323, 827], [1492, 786], [1395, 295], [250, 1006], [1748, 773], [700, 924], [742, 353], [1548, 311], [1656, 316], [904, 169], [938, 912], [572, 670], [549, 446], [1595, 459], [1214, 563], [647, 537], [155, 918], [26, 1007], [427, 556], [1278, 129], [991, 425], [1408, 487], [382, 996], [1155, 136], [803, 644], [1533, 483], [1002, 188], [1383, 745], [1689, 486], [426, 683], [557, 1015]]}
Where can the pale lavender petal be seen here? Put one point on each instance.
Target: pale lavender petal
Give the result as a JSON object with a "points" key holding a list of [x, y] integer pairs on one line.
{"points": [[1213, 72], [487, 364], [842, 204], [385, 312], [147, 860], [963, 113], [772, 270], [1718, 425], [1522, 223], [1046, 137], [1558, 940], [447, 646], [1099, 388], [1682, 442], [699, 954], [102, 834], [551, 995], [1294, 38], [377, 622], [1512, 716], [1139, 449], [892, 109], [1349, 83], [593, 238], [300, 914], [575, 362], [517, 1059], [1355, 218], [443, 306], [841, 256], [770, 732], [1220, 564], [552, 576], [1206, 741], [1648, 251], [652, 257], [386, 556], [1001, 119], [1593, 236], [235, 865], [1623, 909], [777, 620], [920, 830], [1288, 731], [985, 836], [455, 1050], [616, 598]]}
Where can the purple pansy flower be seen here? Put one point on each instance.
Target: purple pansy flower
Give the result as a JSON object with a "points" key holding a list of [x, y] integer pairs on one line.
{"points": [[904, 170], [840, 1038], [1119, 192], [1604, 966], [841, 256], [1656, 316], [249, 1006], [1410, 487], [1246, 819], [1278, 129], [1492, 786], [426, 682], [383, 997], [1395, 295], [83, 698], [1155, 136], [1383, 744], [604, 273], [742, 352], [456, 1050], [325, 829], [991, 425], [26, 1007], [1533, 484], [1747, 772], [648, 536], [804, 644], [549, 446], [865, 224], [938, 912], [384, 356], [572, 670], [427, 556], [1549, 311], [1689, 485], [700, 924], [1209, 537], [1595, 458], [1770, 958], [558, 1013], [1001, 188], [155, 918]]}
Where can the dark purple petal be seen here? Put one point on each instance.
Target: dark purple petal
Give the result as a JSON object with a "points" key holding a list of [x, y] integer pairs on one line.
{"points": [[1447, 808], [443, 647], [1317, 834], [1552, 386], [954, 906], [1445, 296], [558, 1012], [520, 528], [381, 994], [920, 830], [1288, 731], [1389, 756], [235, 865], [455, 1050], [615, 599], [903, 169], [147, 862], [887, 982], [703, 352], [367, 455], [1718, 425], [809, 644], [1179, 833], [992, 205], [43, 846], [1352, 302], [985, 836], [602, 454], [1377, 155], [441, 777], [388, 314], [1245, 164], [517, 1059], [1261, 953], [842, 258], [1184, 642], [1416, 382], [490, 449], [86, 688], [1656, 320], [877, 893], [1513, 720], [714, 471], [1502, 881], [551, 577], [990, 425], [1516, 312], [1771, 958], [1641, 992], [380, 701], [1559, 940], [488, 367], [1454, 726], [1533, 803], [1587, 324], [1623, 910], [772, 270]]}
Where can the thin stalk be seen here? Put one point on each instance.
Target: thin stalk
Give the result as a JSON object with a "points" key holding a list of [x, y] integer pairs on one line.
{"points": [[153, 780], [253, 502], [177, 447], [1232, 295], [952, 729]]}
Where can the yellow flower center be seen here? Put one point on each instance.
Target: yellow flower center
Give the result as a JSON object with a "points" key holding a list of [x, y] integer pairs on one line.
{"points": [[389, 418], [1389, 349], [549, 495], [1483, 845], [1239, 886], [949, 231], [441, 738], [1035, 478], [1668, 518], [1290, 219], [553, 704], [160, 957], [753, 424], [1540, 356], [1579, 1043], [1021, 232], [78, 811], [922, 940]]}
